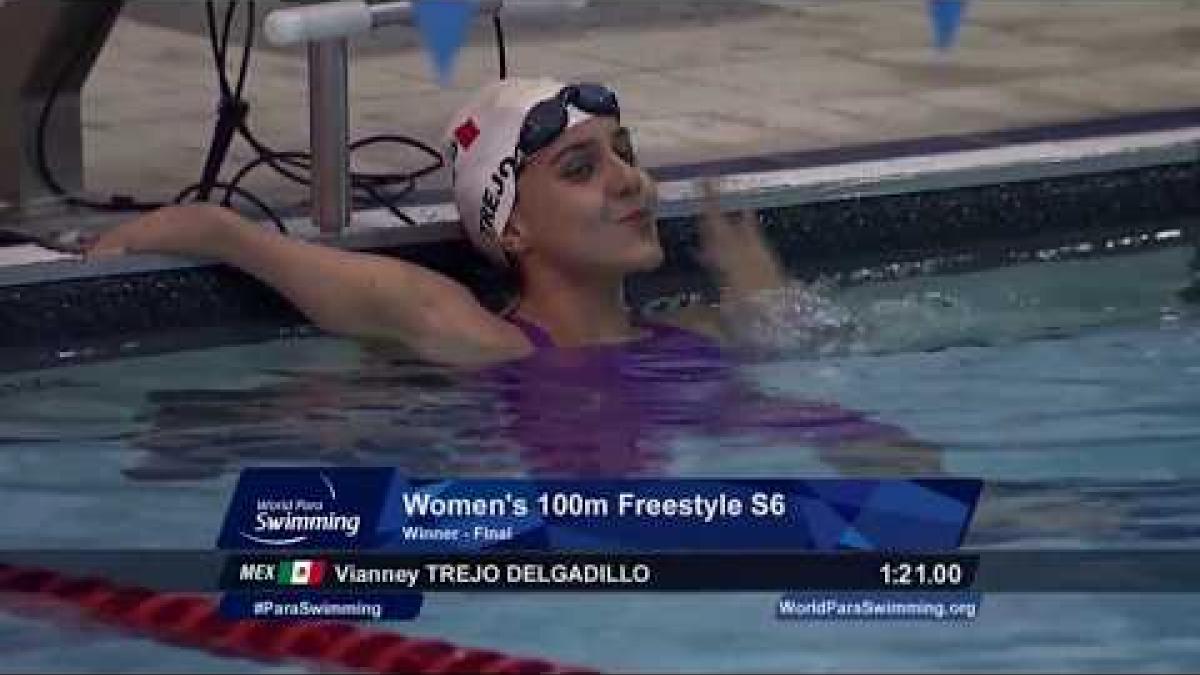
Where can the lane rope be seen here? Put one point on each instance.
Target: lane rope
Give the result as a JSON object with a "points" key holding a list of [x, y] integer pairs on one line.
{"points": [[192, 621]]}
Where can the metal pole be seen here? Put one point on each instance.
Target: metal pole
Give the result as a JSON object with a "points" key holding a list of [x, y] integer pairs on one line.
{"points": [[328, 134]]}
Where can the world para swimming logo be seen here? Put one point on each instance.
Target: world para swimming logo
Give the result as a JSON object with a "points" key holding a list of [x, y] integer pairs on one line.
{"points": [[300, 508]]}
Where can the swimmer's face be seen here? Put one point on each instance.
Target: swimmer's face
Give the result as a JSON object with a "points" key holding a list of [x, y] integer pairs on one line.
{"points": [[584, 205]]}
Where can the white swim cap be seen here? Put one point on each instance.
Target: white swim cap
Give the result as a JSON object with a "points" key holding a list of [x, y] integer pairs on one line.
{"points": [[481, 145]]}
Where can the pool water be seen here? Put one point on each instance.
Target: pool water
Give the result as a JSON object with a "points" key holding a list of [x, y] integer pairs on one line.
{"points": [[1071, 386]]}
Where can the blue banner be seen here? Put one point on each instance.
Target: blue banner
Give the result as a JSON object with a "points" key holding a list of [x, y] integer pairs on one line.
{"points": [[377, 509], [317, 606], [957, 606]]}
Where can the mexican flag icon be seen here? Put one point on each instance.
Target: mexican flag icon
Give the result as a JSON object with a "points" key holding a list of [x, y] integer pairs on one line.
{"points": [[300, 572]]}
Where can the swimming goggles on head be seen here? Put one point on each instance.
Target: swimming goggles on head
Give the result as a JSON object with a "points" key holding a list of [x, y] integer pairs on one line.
{"points": [[548, 119]]}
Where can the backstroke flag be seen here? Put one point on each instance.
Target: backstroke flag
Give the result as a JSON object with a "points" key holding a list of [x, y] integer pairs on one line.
{"points": [[443, 26], [946, 16]]}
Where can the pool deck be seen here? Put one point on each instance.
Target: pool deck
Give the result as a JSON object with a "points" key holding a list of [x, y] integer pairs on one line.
{"points": [[699, 81]]}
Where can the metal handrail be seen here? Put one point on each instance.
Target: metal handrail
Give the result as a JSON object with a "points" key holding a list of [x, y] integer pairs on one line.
{"points": [[326, 28]]}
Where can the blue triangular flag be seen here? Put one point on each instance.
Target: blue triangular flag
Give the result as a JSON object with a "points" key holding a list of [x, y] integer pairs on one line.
{"points": [[443, 26], [947, 17]]}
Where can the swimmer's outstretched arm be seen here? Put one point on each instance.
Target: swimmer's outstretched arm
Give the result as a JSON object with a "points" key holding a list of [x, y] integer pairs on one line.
{"points": [[346, 293]]}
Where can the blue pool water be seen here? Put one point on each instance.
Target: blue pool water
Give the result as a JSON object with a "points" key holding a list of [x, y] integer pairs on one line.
{"points": [[1071, 386]]}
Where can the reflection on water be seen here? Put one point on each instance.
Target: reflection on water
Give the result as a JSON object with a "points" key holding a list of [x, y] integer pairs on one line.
{"points": [[542, 418], [1071, 388]]}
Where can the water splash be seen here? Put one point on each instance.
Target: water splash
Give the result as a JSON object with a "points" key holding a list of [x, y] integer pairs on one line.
{"points": [[802, 321], [795, 320]]}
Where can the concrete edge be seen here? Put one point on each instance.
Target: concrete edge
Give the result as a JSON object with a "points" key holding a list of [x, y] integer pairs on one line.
{"points": [[437, 222]]}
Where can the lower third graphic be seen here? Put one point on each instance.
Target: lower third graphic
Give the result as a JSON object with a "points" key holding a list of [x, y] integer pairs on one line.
{"points": [[943, 606], [321, 606]]}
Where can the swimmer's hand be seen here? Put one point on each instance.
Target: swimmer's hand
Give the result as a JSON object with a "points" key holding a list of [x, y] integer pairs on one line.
{"points": [[760, 310], [734, 249], [192, 230]]}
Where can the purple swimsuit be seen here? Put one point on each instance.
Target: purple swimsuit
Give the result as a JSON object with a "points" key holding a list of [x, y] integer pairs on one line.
{"points": [[606, 409]]}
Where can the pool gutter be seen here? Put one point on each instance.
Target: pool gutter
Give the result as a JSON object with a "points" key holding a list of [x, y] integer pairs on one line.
{"points": [[946, 197]]}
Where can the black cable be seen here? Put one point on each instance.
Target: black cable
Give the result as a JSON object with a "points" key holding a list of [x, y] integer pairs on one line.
{"points": [[116, 202], [500, 44], [219, 54], [246, 47], [370, 184], [299, 160], [295, 165], [286, 164], [245, 194], [231, 110], [271, 156], [226, 30], [438, 162], [388, 201], [263, 158], [217, 50]]}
